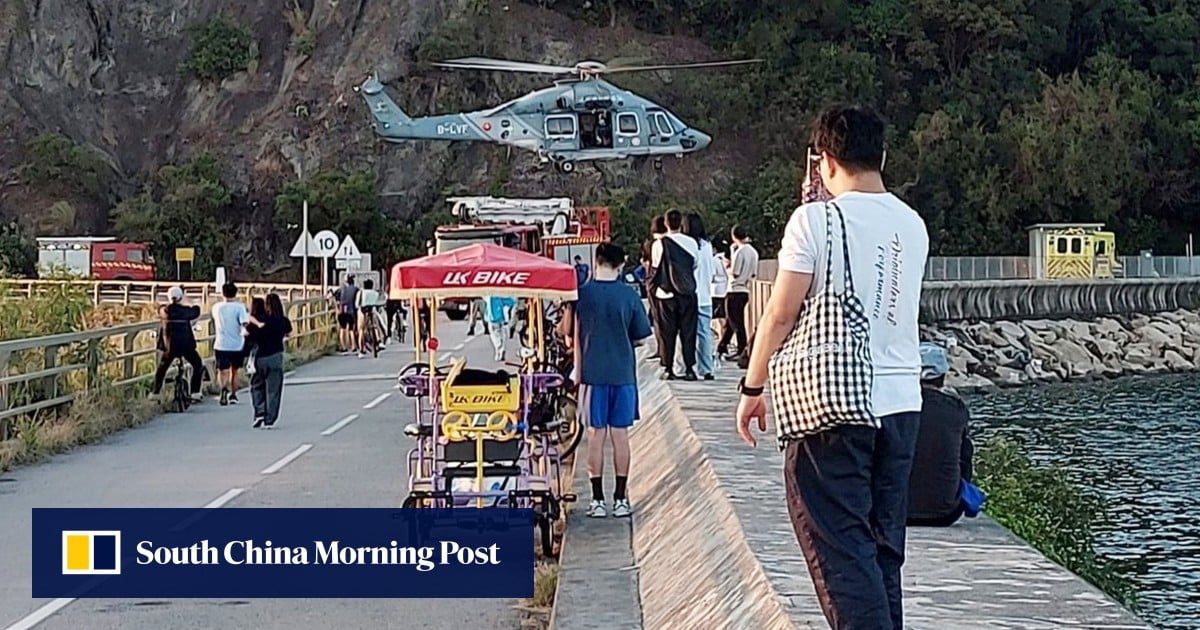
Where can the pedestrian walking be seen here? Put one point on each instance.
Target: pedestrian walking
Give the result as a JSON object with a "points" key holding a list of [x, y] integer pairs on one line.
{"points": [[675, 258], [608, 321], [497, 315], [743, 269], [475, 313], [658, 229], [266, 385], [229, 316], [839, 334], [693, 226], [347, 300], [720, 288]]}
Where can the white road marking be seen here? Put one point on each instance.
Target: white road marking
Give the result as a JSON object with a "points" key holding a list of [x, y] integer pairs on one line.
{"points": [[225, 498], [41, 614], [287, 459], [339, 424], [378, 399], [458, 347]]}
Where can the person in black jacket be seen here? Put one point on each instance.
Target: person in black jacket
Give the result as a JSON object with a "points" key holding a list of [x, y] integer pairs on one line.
{"points": [[176, 339], [674, 257], [942, 462], [266, 386]]}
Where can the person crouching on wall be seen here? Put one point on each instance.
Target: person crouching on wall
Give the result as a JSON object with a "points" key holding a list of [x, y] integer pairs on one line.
{"points": [[940, 490]]}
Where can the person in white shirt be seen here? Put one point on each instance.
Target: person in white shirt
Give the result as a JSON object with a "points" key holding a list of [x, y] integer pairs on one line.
{"points": [[229, 316], [368, 305], [693, 226], [674, 258], [847, 484], [720, 287]]}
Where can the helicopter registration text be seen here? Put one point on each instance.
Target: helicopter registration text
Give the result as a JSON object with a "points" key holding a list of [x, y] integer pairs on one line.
{"points": [[501, 278], [452, 129]]}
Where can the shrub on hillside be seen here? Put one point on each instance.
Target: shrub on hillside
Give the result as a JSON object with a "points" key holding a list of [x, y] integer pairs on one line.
{"points": [[220, 47]]}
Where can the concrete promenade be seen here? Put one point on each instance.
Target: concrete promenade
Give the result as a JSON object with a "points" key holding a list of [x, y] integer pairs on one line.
{"points": [[710, 545]]}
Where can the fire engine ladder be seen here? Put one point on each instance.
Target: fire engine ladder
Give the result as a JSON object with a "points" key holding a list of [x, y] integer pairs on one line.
{"points": [[554, 215]]}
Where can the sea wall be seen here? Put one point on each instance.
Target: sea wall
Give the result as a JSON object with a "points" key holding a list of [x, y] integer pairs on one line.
{"points": [[986, 300], [1008, 353]]}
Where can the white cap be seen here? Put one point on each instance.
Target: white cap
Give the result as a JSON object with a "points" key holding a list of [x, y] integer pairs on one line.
{"points": [[175, 293]]}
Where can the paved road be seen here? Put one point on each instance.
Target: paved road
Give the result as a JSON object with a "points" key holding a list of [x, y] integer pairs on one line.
{"points": [[210, 456]]}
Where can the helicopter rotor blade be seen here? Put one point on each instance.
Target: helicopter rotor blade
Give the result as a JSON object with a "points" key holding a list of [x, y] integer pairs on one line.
{"points": [[680, 66], [483, 63]]}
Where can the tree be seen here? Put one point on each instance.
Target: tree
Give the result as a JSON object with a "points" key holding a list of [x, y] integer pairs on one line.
{"points": [[346, 202], [18, 252], [179, 209]]}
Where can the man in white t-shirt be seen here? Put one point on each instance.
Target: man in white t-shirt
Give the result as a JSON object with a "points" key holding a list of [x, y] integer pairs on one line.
{"points": [[847, 486], [228, 317]]}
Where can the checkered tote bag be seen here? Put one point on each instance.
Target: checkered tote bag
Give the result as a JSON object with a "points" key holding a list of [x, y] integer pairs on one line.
{"points": [[821, 375]]}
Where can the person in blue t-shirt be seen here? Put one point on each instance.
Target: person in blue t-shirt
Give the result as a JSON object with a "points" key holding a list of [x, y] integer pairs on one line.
{"points": [[582, 272], [609, 321]]}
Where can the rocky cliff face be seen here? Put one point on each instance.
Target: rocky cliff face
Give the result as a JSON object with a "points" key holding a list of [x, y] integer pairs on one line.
{"points": [[106, 73], [1006, 353]]}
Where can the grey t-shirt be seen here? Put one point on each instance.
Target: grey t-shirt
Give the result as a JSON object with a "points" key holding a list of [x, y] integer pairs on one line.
{"points": [[347, 299]]}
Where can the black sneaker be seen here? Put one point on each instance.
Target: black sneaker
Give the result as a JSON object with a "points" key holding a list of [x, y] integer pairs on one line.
{"points": [[233, 400], [709, 377], [690, 376], [258, 422], [224, 397]]}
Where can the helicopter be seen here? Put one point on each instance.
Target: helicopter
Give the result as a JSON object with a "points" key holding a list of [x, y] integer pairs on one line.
{"points": [[580, 118]]}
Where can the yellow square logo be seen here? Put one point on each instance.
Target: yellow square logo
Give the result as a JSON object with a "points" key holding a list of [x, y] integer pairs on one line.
{"points": [[91, 552]]}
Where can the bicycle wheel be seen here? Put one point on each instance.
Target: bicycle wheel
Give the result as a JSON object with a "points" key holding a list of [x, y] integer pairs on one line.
{"points": [[570, 432], [375, 341], [181, 393]]}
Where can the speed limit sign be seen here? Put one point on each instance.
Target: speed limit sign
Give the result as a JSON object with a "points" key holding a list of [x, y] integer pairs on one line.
{"points": [[327, 244]]}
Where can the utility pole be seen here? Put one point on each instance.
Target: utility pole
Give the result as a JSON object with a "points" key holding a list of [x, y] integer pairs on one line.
{"points": [[304, 235]]}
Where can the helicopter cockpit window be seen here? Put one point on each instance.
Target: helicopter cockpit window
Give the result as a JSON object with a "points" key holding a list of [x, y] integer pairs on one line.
{"points": [[627, 123], [560, 126], [663, 124]]}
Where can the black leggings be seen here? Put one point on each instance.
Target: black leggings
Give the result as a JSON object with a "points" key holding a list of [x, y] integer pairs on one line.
{"points": [[164, 364], [735, 321]]}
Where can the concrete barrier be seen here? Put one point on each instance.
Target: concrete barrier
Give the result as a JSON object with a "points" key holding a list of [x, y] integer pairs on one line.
{"points": [[695, 569], [984, 300]]}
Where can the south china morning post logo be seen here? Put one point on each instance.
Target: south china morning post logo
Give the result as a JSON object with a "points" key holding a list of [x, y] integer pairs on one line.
{"points": [[282, 552], [91, 552]]}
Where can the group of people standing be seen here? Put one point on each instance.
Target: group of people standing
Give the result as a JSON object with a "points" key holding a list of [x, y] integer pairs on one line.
{"points": [[695, 291], [251, 338]]}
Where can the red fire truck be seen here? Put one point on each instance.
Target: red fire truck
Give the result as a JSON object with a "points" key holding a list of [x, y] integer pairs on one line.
{"points": [[95, 257], [550, 227]]}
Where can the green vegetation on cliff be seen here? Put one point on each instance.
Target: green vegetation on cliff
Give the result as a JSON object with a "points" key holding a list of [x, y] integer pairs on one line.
{"points": [[220, 47], [179, 208], [1002, 113]]}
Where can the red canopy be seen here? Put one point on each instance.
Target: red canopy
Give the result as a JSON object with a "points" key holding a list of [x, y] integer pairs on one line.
{"points": [[482, 269]]}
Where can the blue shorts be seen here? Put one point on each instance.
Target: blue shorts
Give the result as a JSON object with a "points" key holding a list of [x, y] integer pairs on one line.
{"points": [[613, 406]]}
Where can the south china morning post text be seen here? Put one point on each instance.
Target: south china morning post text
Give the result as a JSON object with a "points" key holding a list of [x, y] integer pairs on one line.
{"points": [[281, 552], [241, 552]]}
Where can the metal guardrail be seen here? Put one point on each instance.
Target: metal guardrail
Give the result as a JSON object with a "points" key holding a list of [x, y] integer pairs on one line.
{"points": [[56, 369], [126, 292]]}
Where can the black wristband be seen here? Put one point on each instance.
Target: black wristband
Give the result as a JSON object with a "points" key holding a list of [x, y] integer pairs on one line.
{"points": [[748, 391]]}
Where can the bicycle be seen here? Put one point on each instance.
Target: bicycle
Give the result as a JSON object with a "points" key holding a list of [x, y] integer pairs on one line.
{"points": [[371, 334]]}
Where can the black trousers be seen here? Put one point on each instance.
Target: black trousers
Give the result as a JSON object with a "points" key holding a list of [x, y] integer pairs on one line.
{"points": [[847, 494], [164, 364], [735, 322], [657, 324], [680, 316]]}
